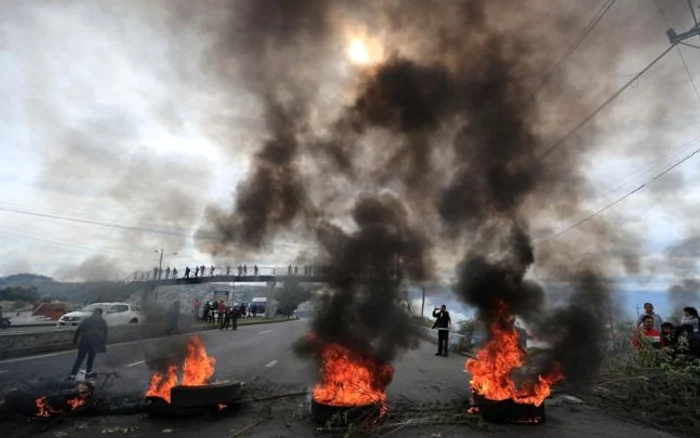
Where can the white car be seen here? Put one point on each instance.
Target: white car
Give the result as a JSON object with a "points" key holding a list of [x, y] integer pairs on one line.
{"points": [[113, 313]]}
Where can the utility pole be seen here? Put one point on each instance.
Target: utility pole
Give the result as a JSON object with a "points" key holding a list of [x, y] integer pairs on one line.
{"points": [[678, 38], [160, 269], [422, 304], [160, 263]]}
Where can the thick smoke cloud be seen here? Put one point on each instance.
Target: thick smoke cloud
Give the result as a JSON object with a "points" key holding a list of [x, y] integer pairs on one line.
{"points": [[95, 268], [451, 125], [261, 37]]}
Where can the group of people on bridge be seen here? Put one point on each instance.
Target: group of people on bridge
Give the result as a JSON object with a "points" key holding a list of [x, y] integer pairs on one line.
{"points": [[242, 270]]}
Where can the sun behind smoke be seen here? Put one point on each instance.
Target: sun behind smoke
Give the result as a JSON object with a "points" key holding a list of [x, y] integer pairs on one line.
{"points": [[362, 49], [358, 53]]}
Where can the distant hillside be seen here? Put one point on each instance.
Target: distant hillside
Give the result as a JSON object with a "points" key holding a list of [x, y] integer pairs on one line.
{"points": [[25, 281]]}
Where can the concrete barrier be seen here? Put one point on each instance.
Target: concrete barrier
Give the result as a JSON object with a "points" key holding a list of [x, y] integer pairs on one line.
{"points": [[23, 344]]}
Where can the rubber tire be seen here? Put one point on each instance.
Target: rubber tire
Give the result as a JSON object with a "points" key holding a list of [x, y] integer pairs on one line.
{"points": [[134, 321]]}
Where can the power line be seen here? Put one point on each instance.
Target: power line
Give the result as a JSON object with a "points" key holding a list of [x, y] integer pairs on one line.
{"points": [[618, 200], [595, 112], [94, 222], [139, 223], [692, 12], [14, 233], [572, 48]]}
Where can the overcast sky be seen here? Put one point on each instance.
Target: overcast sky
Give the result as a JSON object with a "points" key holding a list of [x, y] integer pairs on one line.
{"points": [[108, 116]]}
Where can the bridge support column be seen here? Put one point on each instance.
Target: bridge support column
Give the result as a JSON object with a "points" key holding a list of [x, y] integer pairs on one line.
{"points": [[148, 295], [269, 311]]}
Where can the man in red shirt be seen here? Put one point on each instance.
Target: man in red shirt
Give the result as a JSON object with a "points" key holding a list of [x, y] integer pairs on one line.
{"points": [[648, 332], [220, 310]]}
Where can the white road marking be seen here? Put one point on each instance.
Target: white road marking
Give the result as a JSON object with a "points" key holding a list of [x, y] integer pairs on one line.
{"points": [[135, 363], [271, 364], [41, 356], [266, 331]]}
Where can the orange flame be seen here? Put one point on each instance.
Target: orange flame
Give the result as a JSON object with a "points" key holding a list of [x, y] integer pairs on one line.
{"points": [[491, 373], [44, 409], [75, 403], [350, 379], [196, 370]]}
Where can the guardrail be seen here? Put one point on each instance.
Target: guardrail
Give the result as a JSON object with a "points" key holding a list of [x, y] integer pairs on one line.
{"points": [[24, 344], [432, 335]]}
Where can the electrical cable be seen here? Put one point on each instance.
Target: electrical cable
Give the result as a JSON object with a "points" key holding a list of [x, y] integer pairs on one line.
{"points": [[571, 49], [618, 200], [595, 112]]}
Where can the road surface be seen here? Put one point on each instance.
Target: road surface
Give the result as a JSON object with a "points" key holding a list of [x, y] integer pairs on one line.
{"points": [[262, 354]]}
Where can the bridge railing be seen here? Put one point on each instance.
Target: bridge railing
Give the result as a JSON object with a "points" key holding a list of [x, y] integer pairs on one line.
{"points": [[303, 271]]}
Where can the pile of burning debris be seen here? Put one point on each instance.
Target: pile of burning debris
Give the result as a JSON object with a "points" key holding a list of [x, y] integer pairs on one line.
{"points": [[495, 394], [167, 394], [352, 387], [193, 392]]}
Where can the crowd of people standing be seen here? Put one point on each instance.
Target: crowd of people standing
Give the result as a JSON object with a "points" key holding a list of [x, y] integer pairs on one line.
{"points": [[683, 338], [220, 313]]}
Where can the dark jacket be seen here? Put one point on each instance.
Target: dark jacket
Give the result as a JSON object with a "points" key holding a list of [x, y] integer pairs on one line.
{"points": [[443, 319], [92, 331]]}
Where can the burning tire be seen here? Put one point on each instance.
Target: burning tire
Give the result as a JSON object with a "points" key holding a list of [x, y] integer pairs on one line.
{"points": [[205, 395], [508, 411], [322, 413]]}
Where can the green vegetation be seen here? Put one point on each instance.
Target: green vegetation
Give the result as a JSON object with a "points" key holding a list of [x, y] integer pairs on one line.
{"points": [[20, 295], [651, 386]]}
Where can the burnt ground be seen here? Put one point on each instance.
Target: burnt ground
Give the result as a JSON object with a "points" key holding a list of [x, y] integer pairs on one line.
{"points": [[261, 357]]}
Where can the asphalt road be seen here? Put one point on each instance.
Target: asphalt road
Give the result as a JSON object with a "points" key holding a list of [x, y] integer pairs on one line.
{"points": [[261, 356]]}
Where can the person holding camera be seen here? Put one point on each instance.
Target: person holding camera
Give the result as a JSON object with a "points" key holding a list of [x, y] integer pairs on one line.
{"points": [[442, 324]]}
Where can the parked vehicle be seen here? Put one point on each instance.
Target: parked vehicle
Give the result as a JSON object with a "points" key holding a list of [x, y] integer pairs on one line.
{"points": [[113, 313]]}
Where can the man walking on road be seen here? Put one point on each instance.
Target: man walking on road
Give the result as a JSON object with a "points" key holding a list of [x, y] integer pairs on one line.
{"points": [[442, 324], [92, 333]]}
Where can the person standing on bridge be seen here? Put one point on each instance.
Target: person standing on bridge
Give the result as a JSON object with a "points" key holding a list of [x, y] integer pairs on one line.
{"points": [[167, 272], [187, 272], [174, 272], [92, 333], [196, 271], [211, 271], [155, 273], [256, 270], [228, 270], [289, 269], [202, 270]]}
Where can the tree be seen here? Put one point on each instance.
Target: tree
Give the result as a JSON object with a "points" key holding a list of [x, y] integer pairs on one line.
{"points": [[30, 295], [290, 296]]}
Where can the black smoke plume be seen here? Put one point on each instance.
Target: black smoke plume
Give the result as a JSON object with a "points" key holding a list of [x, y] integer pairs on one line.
{"points": [[362, 310]]}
